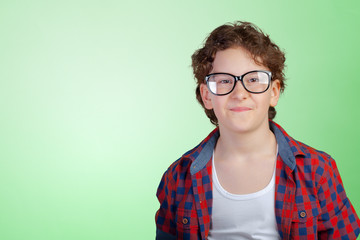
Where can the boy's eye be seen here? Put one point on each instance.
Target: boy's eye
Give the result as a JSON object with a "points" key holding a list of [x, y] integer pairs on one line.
{"points": [[253, 80], [225, 81]]}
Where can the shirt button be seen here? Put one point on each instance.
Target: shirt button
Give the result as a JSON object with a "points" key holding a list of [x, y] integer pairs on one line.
{"points": [[185, 221], [302, 214]]}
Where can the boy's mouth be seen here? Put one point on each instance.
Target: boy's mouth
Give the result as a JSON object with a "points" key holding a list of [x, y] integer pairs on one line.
{"points": [[240, 109]]}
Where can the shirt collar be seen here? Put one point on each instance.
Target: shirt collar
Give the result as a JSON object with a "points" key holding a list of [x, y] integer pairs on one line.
{"points": [[288, 148]]}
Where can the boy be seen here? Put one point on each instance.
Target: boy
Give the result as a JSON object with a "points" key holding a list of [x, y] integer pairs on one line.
{"points": [[249, 179]]}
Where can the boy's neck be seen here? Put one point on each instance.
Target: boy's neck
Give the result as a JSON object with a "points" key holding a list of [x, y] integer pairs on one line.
{"points": [[232, 145]]}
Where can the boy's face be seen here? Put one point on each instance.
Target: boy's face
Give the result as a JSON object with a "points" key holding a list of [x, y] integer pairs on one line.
{"points": [[240, 111]]}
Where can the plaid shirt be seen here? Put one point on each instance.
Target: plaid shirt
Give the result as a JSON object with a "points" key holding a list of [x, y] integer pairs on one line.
{"points": [[310, 201]]}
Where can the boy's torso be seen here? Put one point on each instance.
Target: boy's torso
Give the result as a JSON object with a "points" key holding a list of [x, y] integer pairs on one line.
{"points": [[296, 203]]}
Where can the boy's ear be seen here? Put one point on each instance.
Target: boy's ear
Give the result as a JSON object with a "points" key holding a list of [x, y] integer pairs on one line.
{"points": [[205, 96], [275, 92]]}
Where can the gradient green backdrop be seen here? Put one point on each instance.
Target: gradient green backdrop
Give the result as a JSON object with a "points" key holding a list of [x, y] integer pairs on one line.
{"points": [[97, 100]]}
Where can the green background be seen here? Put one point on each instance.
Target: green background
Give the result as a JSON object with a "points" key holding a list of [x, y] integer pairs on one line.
{"points": [[97, 100]]}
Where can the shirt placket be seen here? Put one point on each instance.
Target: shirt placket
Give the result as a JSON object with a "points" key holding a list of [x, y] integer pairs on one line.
{"points": [[201, 203], [289, 201]]}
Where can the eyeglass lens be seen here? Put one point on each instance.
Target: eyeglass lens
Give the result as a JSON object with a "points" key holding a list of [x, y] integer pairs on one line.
{"points": [[255, 82]]}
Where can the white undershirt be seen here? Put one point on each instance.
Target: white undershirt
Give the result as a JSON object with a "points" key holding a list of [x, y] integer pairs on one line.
{"points": [[248, 216]]}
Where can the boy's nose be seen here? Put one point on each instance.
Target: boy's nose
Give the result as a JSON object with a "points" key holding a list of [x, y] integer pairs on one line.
{"points": [[239, 91]]}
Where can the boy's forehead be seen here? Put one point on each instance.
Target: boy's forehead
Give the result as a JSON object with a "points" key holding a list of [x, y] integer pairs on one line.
{"points": [[236, 58]]}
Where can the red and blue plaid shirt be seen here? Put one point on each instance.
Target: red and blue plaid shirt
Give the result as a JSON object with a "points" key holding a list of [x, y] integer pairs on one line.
{"points": [[310, 201]]}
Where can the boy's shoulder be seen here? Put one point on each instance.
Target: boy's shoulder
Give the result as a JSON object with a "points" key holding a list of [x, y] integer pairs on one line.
{"points": [[183, 164], [311, 152], [305, 154], [315, 161]]}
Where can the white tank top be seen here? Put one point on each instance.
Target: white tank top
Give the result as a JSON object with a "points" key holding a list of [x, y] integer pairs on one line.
{"points": [[248, 216]]}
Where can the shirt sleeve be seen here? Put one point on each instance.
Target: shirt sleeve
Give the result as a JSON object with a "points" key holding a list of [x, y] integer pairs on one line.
{"points": [[338, 219], [165, 224]]}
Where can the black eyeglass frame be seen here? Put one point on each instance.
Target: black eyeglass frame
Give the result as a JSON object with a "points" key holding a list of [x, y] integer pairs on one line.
{"points": [[238, 78]]}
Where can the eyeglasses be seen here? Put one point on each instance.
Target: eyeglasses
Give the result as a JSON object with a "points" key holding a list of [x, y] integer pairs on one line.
{"points": [[220, 84]]}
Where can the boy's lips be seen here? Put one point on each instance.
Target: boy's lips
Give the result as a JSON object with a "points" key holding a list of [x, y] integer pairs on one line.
{"points": [[240, 109]]}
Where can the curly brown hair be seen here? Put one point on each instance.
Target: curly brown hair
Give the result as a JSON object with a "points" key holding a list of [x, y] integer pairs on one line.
{"points": [[238, 34]]}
